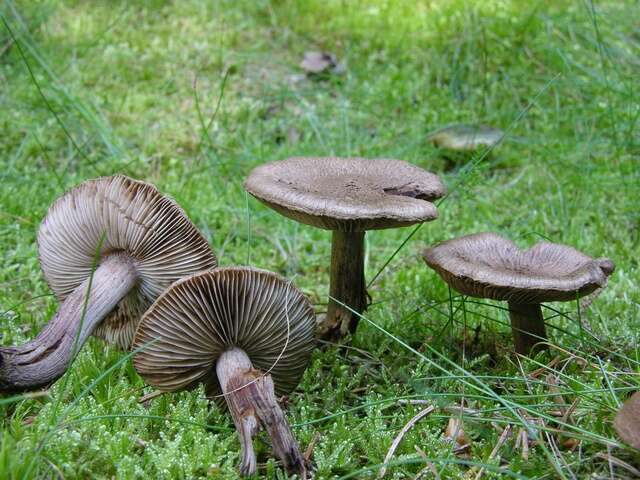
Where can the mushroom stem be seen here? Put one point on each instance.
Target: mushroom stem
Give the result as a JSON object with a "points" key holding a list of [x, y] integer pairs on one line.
{"points": [[43, 360], [527, 325], [347, 285], [252, 402]]}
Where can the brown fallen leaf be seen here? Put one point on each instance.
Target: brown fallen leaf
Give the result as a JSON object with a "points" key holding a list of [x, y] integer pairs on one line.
{"points": [[627, 422], [308, 453], [522, 442], [315, 63], [455, 432]]}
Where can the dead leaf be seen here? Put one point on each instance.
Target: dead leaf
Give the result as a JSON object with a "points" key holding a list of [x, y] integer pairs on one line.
{"points": [[315, 63], [627, 422], [455, 432]]}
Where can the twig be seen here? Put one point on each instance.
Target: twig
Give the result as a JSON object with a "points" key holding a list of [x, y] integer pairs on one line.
{"points": [[150, 396], [413, 402], [403, 432]]}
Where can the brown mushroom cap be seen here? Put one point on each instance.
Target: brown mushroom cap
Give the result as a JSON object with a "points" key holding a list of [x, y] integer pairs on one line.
{"points": [[486, 265], [347, 194], [466, 138], [627, 422], [200, 317], [120, 215]]}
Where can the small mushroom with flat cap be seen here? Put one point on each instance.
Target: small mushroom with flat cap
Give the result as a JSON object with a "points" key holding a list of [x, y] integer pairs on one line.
{"points": [[247, 334], [348, 196], [466, 138], [143, 242], [486, 265], [627, 422]]}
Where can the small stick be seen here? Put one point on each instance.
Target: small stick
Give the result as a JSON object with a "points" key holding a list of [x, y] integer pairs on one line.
{"points": [[150, 396], [413, 402], [403, 432]]}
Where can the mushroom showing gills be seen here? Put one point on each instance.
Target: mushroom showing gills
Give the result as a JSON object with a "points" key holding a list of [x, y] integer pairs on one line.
{"points": [[247, 334], [143, 242], [486, 265], [348, 196]]}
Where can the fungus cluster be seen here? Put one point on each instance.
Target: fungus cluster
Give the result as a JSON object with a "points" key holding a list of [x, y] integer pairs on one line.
{"points": [[128, 266]]}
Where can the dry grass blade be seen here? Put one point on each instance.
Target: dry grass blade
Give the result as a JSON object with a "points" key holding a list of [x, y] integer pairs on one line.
{"points": [[494, 452], [403, 432], [619, 463], [430, 466]]}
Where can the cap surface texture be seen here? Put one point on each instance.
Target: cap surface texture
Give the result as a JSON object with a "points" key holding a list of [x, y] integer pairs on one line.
{"points": [[200, 317], [347, 194], [486, 265], [112, 215]]}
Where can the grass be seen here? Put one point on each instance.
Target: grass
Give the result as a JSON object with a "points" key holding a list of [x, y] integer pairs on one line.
{"points": [[191, 95]]}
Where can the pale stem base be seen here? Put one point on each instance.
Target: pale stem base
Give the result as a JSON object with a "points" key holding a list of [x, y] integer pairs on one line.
{"points": [[251, 399], [42, 361]]}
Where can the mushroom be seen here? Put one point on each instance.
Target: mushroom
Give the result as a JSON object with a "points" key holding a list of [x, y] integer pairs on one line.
{"points": [[141, 241], [466, 138], [348, 196], [247, 334], [486, 265], [627, 422]]}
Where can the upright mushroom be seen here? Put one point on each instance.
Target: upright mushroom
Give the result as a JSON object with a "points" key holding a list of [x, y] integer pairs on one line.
{"points": [[348, 196], [486, 265], [142, 241], [247, 334]]}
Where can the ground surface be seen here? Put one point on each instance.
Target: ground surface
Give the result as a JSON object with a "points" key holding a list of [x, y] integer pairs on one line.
{"points": [[191, 95]]}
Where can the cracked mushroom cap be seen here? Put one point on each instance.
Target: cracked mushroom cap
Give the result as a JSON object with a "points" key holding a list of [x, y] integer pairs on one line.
{"points": [[486, 265], [200, 317], [347, 194], [120, 215], [466, 137], [627, 422]]}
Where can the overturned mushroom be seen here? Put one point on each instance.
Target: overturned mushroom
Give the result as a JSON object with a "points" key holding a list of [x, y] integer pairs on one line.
{"points": [[466, 138], [348, 196], [142, 242], [486, 265], [247, 334], [627, 422]]}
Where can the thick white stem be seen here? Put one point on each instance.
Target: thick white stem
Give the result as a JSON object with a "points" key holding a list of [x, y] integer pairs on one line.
{"points": [[251, 400], [43, 360]]}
